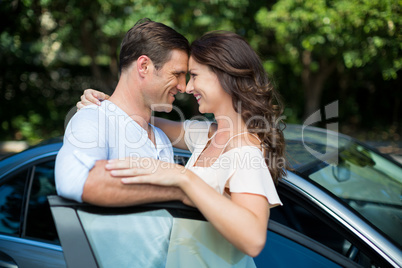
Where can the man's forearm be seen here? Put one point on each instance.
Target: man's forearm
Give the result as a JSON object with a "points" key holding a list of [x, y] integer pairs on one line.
{"points": [[104, 190]]}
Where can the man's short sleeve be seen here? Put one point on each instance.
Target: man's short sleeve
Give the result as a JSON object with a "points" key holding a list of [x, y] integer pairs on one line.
{"points": [[84, 143]]}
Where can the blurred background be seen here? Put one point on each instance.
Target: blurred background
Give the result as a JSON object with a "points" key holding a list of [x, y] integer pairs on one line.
{"points": [[315, 51]]}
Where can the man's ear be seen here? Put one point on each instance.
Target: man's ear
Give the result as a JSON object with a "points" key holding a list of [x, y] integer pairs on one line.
{"points": [[144, 64]]}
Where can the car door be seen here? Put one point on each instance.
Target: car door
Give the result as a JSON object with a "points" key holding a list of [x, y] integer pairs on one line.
{"points": [[320, 231], [111, 243], [28, 237]]}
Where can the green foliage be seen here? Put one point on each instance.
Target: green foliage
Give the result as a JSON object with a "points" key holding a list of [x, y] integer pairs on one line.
{"points": [[322, 42], [355, 32], [50, 51]]}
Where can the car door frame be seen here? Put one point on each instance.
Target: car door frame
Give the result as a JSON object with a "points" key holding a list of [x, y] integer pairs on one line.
{"points": [[21, 250], [78, 251]]}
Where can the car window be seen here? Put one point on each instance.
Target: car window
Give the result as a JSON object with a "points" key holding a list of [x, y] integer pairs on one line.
{"points": [[158, 239], [39, 223], [12, 191], [298, 216], [279, 247]]}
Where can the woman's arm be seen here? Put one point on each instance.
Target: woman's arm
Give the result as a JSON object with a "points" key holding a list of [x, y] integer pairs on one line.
{"points": [[173, 129], [242, 220]]}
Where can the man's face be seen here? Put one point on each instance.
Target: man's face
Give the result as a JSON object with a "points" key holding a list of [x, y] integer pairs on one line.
{"points": [[168, 81]]}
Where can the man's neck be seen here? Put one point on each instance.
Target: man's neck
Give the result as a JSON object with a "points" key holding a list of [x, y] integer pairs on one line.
{"points": [[132, 103]]}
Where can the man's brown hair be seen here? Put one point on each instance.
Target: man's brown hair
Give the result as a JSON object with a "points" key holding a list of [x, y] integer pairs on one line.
{"points": [[153, 39]]}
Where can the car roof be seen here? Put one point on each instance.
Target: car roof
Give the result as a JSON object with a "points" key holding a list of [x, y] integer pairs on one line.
{"points": [[304, 143], [13, 162]]}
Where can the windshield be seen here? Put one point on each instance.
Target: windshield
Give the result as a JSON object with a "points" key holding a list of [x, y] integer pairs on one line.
{"points": [[365, 180], [370, 184]]}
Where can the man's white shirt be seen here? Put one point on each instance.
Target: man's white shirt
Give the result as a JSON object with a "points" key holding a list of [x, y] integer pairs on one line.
{"points": [[98, 133]]}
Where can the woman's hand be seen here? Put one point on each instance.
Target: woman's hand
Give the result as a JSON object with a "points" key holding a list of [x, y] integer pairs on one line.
{"points": [[133, 170], [91, 96]]}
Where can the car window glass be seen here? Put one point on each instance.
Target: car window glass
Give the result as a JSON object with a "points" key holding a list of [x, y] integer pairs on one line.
{"points": [[12, 191], [369, 183], [157, 239], [294, 215], [304, 145], [113, 237], [278, 247], [298, 218], [39, 218]]}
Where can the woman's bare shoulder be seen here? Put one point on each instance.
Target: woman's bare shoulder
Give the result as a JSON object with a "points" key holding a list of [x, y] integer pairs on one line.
{"points": [[248, 140]]}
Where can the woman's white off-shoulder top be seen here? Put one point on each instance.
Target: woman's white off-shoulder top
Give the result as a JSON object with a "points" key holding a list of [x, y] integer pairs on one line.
{"points": [[241, 170]]}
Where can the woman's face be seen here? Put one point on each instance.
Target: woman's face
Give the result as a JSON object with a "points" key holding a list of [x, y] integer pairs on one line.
{"points": [[205, 87]]}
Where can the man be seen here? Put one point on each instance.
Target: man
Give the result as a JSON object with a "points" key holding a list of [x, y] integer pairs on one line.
{"points": [[153, 67]]}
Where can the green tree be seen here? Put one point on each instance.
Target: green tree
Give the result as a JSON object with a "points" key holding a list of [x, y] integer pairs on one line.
{"points": [[51, 50], [315, 38]]}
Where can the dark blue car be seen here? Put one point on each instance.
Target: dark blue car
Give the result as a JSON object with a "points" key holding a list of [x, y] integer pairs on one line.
{"points": [[342, 208]]}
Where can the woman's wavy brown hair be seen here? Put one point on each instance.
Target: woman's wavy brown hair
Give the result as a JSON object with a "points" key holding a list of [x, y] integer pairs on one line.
{"points": [[242, 76]]}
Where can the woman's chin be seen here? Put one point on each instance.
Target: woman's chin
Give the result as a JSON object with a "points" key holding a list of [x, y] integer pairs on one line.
{"points": [[202, 111]]}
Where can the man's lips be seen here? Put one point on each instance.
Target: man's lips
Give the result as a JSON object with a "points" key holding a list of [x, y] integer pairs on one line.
{"points": [[172, 94]]}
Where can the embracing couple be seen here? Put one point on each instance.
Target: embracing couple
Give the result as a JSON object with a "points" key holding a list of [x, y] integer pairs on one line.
{"points": [[113, 156]]}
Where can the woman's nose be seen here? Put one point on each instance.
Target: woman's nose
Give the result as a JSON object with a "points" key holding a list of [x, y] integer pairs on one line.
{"points": [[189, 87]]}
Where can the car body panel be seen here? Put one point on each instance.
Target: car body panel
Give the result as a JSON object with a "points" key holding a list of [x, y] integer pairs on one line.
{"points": [[29, 253]]}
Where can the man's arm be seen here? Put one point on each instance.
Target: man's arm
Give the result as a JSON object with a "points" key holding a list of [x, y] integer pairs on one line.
{"points": [[102, 189], [80, 169]]}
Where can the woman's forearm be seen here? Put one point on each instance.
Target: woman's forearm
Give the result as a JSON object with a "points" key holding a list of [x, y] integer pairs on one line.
{"points": [[173, 130], [242, 220]]}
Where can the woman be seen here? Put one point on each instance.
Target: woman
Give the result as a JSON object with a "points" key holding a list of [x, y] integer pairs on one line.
{"points": [[236, 161]]}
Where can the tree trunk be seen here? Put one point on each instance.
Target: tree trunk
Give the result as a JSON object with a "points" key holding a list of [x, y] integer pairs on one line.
{"points": [[91, 51], [313, 83]]}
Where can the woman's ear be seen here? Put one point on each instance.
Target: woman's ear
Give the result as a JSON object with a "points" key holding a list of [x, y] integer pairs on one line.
{"points": [[143, 65]]}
